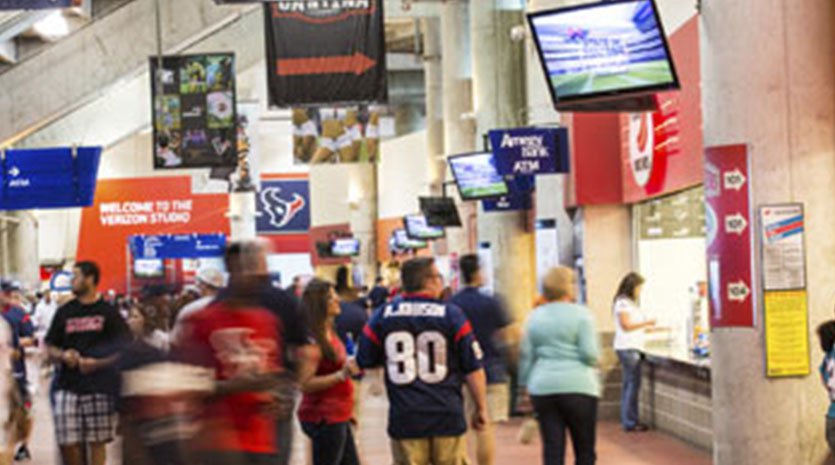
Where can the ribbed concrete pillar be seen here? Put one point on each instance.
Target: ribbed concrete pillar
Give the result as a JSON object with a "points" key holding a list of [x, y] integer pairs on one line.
{"points": [[459, 127], [768, 81], [500, 101], [22, 255]]}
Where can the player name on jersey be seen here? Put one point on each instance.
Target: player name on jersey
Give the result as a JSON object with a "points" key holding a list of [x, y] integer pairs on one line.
{"points": [[415, 309]]}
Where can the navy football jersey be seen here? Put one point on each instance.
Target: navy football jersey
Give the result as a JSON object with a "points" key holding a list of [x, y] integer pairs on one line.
{"points": [[427, 348]]}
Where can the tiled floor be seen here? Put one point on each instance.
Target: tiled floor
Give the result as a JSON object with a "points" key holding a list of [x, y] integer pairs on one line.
{"points": [[614, 446]]}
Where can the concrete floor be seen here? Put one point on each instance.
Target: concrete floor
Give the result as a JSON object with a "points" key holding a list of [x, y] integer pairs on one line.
{"points": [[614, 446]]}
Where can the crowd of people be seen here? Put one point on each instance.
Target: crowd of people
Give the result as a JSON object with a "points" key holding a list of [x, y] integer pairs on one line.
{"points": [[219, 372]]}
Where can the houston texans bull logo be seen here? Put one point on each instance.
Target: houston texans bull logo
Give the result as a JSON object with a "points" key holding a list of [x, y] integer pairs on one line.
{"points": [[279, 210]]}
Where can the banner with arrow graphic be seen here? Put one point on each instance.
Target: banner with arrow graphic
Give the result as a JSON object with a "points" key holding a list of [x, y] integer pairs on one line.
{"points": [[325, 52], [729, 243]]}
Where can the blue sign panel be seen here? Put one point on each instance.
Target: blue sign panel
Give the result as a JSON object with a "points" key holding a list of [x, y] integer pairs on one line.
{"points": [[177, 246], [512, 202], [48, 178], [530, 151], [37, 4], [283, 206]]}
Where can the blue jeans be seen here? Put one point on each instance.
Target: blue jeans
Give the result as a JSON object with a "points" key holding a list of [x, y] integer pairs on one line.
{"points": [[333, 444], [630, 361]]}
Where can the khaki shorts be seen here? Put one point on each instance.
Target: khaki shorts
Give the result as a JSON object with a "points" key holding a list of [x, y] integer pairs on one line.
{"points": [[451, 450], [498, 402]]}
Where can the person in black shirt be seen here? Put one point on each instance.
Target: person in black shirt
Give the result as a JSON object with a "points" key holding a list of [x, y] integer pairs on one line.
{"points": [[489, 320], [379, 294], [85, 338]]}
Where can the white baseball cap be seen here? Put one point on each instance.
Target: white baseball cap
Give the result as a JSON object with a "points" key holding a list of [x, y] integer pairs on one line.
{"points": [[211, 277]]}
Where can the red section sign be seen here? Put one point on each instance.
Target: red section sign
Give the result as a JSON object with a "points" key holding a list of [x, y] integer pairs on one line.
{"points": [[160, 205], [729, 236]]}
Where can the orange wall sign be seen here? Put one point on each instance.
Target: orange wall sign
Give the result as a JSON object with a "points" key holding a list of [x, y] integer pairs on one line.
{"points": [[159, 205]]}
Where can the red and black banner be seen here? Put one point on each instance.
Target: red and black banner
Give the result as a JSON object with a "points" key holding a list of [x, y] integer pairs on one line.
{"points": [[325, 52]]}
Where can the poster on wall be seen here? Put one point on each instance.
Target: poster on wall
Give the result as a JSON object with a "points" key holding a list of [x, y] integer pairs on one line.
{"points": [[729, 237], [325, 52], [194, 111], [283, 206], [547, 249], [783, 247], [339, 134], [786, 333], [37, 4]]}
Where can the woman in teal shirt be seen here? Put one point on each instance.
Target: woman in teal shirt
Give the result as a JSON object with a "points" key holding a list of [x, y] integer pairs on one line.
{"points": [[559, 354]]}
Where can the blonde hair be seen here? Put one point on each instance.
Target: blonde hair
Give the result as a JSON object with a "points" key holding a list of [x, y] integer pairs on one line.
{"points": [[558, 283]]}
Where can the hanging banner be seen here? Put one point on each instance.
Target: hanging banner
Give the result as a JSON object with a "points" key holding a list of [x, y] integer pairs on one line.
{"points": [[37, 4], [321, 52], [339, 135], [48, 178], [530, 151], [195, 118], [783, 247], [283, 206], [170, 246], [786, 333], [729, 243]]}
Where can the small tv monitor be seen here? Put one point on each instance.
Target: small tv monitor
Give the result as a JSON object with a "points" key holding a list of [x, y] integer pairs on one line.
{"points": [[348, 247], [440, 211], [477, 177], [403, 242], [417, 228], [603, 50], [146, 268]]}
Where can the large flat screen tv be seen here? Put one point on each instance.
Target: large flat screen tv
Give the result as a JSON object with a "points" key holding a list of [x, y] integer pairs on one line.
{"points": [[603, 50], [477, 177], [440, 211], [148, 268], [348, 247], [401, 241], [419, 229]]}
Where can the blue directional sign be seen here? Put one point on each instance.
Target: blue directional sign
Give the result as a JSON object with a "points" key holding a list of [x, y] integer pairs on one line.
{"points": [[513, 202], [530, 151], [37, 4], [48, 178], [170, 246]]}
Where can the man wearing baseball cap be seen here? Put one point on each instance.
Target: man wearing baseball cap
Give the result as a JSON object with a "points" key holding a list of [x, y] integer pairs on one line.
{"points": [[209, 282]]}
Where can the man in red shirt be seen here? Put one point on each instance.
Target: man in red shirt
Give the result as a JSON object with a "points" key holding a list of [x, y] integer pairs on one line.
{"points": [[240, 340]]}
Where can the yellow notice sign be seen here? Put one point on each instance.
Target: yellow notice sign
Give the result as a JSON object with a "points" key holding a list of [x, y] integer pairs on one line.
{"points": [[786, 334]]}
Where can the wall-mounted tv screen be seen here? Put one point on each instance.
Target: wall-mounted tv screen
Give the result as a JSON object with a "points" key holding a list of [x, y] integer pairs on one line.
{"points": [[418, 228], [348, 247], [603, 50], [477, 177], [440, 211], [148, 268], [401, 241]]}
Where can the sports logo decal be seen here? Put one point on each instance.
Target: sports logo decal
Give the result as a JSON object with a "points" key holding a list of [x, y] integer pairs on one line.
{"points": [[283, 206]]}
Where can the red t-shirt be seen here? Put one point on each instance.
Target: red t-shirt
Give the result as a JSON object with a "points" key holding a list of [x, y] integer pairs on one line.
{"points": [[333, 405], [235, 342]]}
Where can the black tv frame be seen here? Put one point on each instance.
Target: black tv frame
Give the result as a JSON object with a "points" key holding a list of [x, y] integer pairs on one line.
{"points": [[425, 200], [416, 238], [458, 183], [565, 104]]}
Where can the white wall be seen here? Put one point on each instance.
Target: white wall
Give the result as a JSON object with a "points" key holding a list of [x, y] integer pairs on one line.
{"points": [[403, 175]]}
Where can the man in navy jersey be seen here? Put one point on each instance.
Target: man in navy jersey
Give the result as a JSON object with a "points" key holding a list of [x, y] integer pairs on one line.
{"points": [[428, 351]]}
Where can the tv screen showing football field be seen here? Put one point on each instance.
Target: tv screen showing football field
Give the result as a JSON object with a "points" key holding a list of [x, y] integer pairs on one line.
{"points": [[603, 49]]}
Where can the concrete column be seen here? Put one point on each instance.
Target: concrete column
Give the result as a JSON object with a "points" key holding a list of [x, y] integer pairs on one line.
{"points": [[459, 127], [363, 206], [23, 262], [768, 82], [434, 78], [500, 101], [242, 211]]}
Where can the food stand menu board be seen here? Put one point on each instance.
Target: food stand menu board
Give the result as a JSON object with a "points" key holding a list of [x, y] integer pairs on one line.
{"points": [[786, 334], [675, 216], [783, 250]]}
